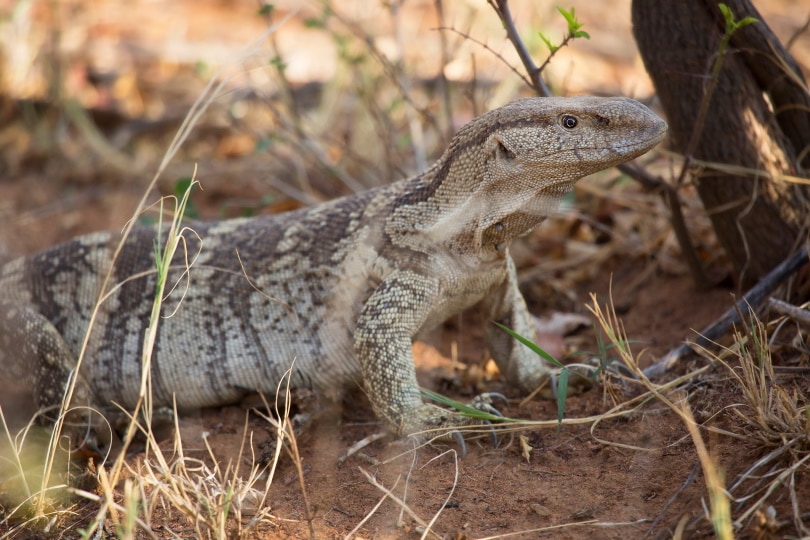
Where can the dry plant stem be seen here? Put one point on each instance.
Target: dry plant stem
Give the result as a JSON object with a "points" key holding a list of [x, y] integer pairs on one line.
{"points": [[670, 195], [304, 142], [651, 394], [783, 476], [428, 118], [698, 273], [286, 85], [198, 108], [673, 498], [798, 520], [370, 512], [95, 140], [373, 481], [591, 523], [285, 430], [753, 298], [719, 500], [307, 146], [700, 119], [449, 494], [146, 529], [299, 469], [797, 34], [719, 503], [739, 170], [175, 240], [359, 445], [490, 50], [444, 87], [15, 455], [400, 517], [801, 316], [501, 7]]}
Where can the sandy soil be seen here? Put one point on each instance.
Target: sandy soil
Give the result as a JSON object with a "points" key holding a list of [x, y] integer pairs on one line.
{"points": [[631, 477]]}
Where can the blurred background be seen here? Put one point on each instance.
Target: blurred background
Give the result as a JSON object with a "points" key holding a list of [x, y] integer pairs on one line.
{"points": [[339, 97]]}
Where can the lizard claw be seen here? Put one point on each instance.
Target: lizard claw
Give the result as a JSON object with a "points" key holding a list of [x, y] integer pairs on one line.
{"points": [[462, 445], [493, 435], [483, 402]]}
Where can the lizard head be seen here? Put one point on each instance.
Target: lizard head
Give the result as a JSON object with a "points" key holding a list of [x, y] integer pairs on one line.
{"points": [[509, 169]]}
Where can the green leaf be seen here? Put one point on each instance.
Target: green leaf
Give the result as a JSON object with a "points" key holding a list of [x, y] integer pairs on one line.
{"points": [[570, 17], [463, 408], [278, 63], [573, 24], [562, 382], [733, 25], [180, 187], [562, 393], [314, 22], [551, 46], [746, 21], [266, 9], [726, 11], [531, 345]]}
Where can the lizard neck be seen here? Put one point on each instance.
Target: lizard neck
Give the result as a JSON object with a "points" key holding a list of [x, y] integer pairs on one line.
{"points": [[461, 205]]}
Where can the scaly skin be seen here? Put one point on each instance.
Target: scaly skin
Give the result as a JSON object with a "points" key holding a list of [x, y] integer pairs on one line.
{"points": [[338, 291]]}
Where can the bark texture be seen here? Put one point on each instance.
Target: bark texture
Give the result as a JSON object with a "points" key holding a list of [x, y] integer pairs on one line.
{"points": [[758, 118]]}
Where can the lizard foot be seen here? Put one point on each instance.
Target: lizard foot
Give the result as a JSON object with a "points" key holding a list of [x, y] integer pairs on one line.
{"points": [[430, 418], [483, 402]]}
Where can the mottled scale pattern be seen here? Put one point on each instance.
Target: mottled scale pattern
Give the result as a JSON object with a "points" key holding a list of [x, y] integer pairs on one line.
{"points": [[338, 292]]}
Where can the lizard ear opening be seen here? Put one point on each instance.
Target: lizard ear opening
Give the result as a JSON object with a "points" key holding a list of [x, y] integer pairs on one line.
{"points": [[501, 149]]}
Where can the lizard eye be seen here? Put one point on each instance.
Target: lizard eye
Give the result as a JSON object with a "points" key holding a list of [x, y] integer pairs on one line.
{"points": [[568, 121]]}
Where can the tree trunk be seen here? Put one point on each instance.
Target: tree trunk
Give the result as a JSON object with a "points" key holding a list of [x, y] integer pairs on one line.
{"points": [[758, 118]]}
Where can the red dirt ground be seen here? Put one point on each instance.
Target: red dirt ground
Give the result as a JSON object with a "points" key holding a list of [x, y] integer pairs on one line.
{"points": [[629, 477]]}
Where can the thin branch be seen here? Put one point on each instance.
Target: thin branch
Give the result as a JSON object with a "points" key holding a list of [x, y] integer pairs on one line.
{"points": [[753, 298], [444, 85], [489, 49], [801, 316], [501, 7]]}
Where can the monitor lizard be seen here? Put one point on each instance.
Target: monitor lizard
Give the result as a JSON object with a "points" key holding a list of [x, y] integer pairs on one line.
{"points": [[338, 291]]}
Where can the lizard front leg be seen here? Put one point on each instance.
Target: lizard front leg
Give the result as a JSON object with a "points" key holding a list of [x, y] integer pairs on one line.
{"points": [[519, 365], [383, 339]]}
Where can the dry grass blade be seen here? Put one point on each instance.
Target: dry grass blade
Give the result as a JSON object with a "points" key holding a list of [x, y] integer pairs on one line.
{"points": [[720, 513], [449, 494], [773, 416], [125, 517], [776, 414], [374, 482], [369, 513], [719, 504], [591, 523]]}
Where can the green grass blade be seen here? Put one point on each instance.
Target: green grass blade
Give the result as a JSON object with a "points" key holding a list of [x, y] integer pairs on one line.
{"points": [[531, 345], [463, 408]]}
